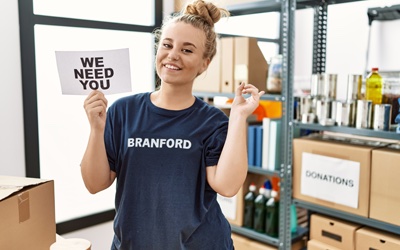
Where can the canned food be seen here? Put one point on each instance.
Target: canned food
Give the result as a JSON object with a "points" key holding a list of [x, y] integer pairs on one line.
{"points": [[364, 114], [382, 116]]}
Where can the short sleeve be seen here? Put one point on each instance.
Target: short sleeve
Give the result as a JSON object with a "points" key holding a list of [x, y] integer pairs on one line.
{"points": [[215, 144], [109, 138]]}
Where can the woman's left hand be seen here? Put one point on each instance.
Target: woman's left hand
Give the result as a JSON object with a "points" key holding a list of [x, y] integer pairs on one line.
{"points": [[246, 106]]}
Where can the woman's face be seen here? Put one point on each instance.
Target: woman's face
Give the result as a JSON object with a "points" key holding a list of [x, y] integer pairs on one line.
{"points": [[180, 53]]}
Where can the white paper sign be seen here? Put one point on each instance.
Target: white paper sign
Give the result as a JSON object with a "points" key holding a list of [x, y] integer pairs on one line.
{"points": [[331, 179], [81, 72], [228, 206]]}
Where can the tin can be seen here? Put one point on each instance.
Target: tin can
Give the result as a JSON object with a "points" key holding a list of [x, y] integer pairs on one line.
{"points": [[317, 85], [382, 116], [330, 83], [354, 83], [323, 111], [305, 104], [345, 113], [364, 114]]}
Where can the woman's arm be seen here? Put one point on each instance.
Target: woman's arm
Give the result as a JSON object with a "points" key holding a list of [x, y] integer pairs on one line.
{"points": [[228, 175], [95, 170]]}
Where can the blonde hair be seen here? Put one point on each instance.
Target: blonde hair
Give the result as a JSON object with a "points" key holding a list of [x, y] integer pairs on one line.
{"points": [[202, 15]]}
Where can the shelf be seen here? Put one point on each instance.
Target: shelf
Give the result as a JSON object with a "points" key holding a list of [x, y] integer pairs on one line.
{"points": [[232, 95], [254, 7], [261, 171], [275, 6], [349, 130], [265, 238], [349, 217]]}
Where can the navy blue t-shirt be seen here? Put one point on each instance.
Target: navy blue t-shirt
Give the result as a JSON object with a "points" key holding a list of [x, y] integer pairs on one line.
{"points": [[163, 200]]}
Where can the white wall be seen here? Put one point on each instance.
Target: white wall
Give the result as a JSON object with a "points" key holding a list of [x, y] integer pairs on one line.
{"points": [[12, 159]]}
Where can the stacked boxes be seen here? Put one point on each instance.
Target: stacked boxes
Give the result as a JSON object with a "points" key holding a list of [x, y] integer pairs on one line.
{"points": [[328, 233]]}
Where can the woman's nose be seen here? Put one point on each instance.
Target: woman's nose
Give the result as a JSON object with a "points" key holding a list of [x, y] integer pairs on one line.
{"points": [[173, 55]]}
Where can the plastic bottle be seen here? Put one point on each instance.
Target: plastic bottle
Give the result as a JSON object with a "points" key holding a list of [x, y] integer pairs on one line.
{"points": [[259, 211], [374, 84], [293, 219], [249, 206], [272, 215], [268, 188]]}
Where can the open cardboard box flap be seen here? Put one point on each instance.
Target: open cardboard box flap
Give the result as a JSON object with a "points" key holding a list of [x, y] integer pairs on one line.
{"points": [[12, 184]]}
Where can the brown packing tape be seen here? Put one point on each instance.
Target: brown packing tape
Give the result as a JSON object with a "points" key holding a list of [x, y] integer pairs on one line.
{"points": [[23, 206]]}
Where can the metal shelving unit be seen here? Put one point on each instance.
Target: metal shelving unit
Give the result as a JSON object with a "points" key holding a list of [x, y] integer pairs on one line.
{"points": [[320, 26], [349, 130], [348, 216], [287, 10], [232, 95], [286, 42]]}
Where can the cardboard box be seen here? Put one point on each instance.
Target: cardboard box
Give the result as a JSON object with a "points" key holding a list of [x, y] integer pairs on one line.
{"points": [[242, 61], [227, 64], [368, 238], [250, 64], [334, 232], [210, 80], [244, 243], [332, 169], [27, 213], [316, 245], [385, 185]]}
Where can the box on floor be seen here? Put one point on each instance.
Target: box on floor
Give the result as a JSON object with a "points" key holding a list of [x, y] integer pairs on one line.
{"points": [[27, 213]]}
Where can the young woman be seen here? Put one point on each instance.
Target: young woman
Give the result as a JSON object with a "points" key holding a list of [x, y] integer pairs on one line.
{"points": [[170, 152]]}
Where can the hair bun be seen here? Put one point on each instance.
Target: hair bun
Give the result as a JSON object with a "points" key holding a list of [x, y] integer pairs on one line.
{"points": [[206, 10]]}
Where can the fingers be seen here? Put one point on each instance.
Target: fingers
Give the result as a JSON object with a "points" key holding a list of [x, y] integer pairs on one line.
{"points": [[95, 99], [96, 107], [249, 89]]}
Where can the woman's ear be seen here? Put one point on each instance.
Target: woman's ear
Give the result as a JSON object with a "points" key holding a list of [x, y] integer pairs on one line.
{"points": [[204, 67]]}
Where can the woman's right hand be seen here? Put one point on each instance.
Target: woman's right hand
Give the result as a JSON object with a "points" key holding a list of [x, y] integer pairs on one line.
{"points": [[96, 110]]}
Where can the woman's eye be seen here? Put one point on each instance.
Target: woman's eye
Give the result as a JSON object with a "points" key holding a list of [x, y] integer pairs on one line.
{"points": [[187, 51], [166, 45]]}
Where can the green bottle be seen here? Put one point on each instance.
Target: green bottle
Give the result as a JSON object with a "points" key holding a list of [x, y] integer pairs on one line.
{"points": [[373, 87], [272, 215], [259, 211], [249, 206]]}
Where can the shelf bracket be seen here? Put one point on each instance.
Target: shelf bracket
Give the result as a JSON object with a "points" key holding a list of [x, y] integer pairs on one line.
{"points": [[319, 39]]}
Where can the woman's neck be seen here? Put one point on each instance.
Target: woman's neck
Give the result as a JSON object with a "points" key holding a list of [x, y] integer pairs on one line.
{"points": [[172, 98]]}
